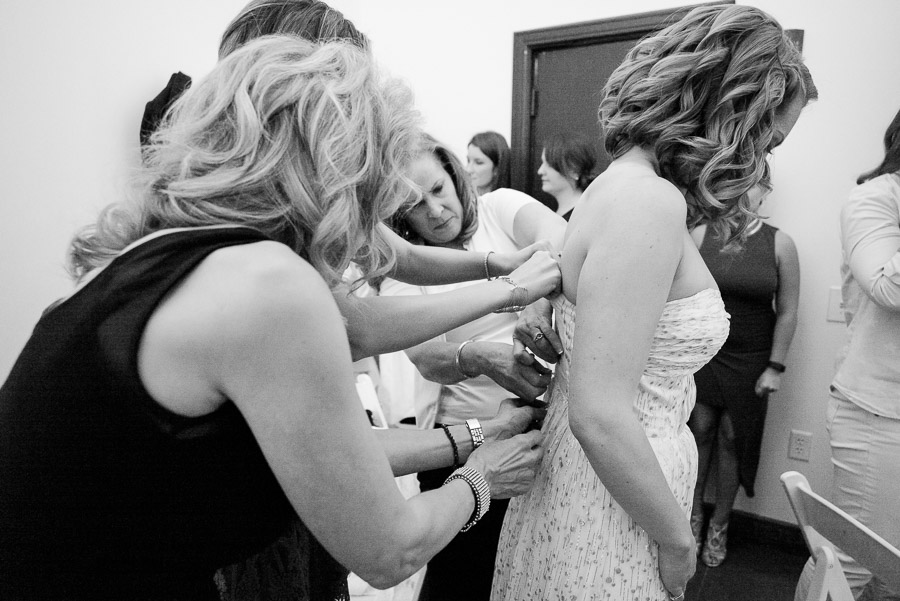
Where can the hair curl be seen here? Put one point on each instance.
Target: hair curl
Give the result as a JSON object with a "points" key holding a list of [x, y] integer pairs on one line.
{"points": [[468, 198], [572, 155], [494, 147], [891, 161], [702, 94], [306, 143], [312, 20]]}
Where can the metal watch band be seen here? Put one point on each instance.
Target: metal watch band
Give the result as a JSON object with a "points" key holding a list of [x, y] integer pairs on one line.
{"points": [[480, 489], [475, 430]]}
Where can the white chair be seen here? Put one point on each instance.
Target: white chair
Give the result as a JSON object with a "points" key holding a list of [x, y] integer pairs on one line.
{"points": [[825, 526]]}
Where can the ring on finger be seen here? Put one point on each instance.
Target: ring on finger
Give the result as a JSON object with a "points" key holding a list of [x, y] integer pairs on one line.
{"points": [[538, 336], [677, 597]]}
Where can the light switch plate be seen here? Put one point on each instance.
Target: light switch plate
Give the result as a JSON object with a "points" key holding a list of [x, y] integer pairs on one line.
{"points": [[835, 305]]}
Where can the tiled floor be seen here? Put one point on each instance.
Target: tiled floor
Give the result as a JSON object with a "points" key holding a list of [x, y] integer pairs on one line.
{"points": [[752, 571]]}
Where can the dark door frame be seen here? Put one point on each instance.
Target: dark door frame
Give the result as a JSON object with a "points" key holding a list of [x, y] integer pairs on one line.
{"points": [[526, 44]]}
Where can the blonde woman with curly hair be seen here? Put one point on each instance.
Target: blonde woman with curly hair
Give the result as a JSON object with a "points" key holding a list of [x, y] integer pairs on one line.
{"points": [[194, 396], [689, 118]]}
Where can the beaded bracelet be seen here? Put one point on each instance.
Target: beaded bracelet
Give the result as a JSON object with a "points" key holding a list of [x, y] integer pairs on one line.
{"points": [[480, 489], [518, 296], [452, 444], [487, 271]]}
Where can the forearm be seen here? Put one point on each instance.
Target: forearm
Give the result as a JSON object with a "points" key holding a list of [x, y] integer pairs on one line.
{"points": [[424, 525], [431, 266], [410, 451], [782, 336], [437, 361], [386, 324], [623, 459], [882, 282], [870, 236]]}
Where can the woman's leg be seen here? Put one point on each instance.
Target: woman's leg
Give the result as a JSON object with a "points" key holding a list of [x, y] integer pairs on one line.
{"points": [[866, 483], [864, 453], [727, 482], [704, 422]]}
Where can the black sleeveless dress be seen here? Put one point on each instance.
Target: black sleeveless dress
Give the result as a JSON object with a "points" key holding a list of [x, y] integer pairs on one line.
{"points": [[748, 281], [104, 494]]}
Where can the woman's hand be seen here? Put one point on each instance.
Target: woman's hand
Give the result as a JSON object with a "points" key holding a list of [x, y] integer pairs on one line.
{"points": [[509, 465], [504, 263], [539, 275], [496, 361], [514, 417], [534, 331], [769, 381], [676, 566]]}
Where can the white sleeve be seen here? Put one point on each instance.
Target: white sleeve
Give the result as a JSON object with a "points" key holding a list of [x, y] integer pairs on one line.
{"points": [[501, 206], [870, 235]]}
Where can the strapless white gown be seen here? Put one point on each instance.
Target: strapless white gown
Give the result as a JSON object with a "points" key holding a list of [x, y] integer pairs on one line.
{"points": [[568, 539]]}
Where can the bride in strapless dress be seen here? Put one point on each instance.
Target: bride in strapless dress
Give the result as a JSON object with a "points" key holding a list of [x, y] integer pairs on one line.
{"points": [[608, 516]]}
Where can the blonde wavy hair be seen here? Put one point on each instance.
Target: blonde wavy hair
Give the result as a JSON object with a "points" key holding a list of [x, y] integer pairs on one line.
{"points": [[306, 143], [702, 94]]}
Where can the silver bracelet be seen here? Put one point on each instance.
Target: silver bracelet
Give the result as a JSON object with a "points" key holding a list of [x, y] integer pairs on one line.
{"points": [[518, 296], [487, 271], [457, 361], [480, 489], [475, 432]]}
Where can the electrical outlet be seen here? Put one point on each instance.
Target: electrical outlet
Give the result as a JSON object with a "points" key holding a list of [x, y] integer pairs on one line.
{"points": [[798, 447]]}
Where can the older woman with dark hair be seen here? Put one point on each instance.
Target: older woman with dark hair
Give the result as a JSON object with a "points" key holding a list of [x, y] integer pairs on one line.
{"points": [[487, 161], [473, 363]]}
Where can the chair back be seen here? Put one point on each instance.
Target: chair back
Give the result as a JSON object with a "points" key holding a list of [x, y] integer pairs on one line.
{"points": [[825, 526]]}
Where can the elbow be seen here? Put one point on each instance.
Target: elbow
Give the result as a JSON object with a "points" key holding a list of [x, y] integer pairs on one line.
{"points": [[886, 295], [582, 423], [359, 350], [391, 569]]}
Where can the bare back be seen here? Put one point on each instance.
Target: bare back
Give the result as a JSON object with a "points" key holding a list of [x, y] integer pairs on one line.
{"points": [[630, 180]]}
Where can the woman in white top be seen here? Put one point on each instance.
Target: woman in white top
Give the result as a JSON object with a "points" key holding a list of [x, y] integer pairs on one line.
{"points": [[863, 417], [473, 363]]}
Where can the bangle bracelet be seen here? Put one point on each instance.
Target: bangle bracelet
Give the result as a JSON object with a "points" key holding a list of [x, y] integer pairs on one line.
{"points": [[457, 359], [487, 270], [779, 367], [475, 432], [518, 296], [452, 444], [480, 489]]}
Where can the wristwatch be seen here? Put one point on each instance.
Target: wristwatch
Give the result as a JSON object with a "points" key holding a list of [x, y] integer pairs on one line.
{"points": [[476, 432]]}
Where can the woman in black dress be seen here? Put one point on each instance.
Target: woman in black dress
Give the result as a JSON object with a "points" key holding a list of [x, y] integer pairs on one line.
{"points": [[760, 284]]}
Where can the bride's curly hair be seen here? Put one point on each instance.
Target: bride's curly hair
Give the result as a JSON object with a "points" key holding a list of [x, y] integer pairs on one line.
{"points": [[702, 95], [307, 143]]}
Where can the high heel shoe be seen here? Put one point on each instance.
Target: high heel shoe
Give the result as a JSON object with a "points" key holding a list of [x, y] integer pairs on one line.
{"points": [[697, 531], [714, 550]]}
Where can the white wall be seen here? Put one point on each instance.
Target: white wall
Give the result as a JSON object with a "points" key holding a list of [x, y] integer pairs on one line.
{"points": [[76, 77]]}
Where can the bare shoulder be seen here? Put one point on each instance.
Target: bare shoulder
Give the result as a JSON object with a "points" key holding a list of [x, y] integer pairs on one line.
{"points": [[262, 284], [225, 317], [629, 195], [784, 244]]}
